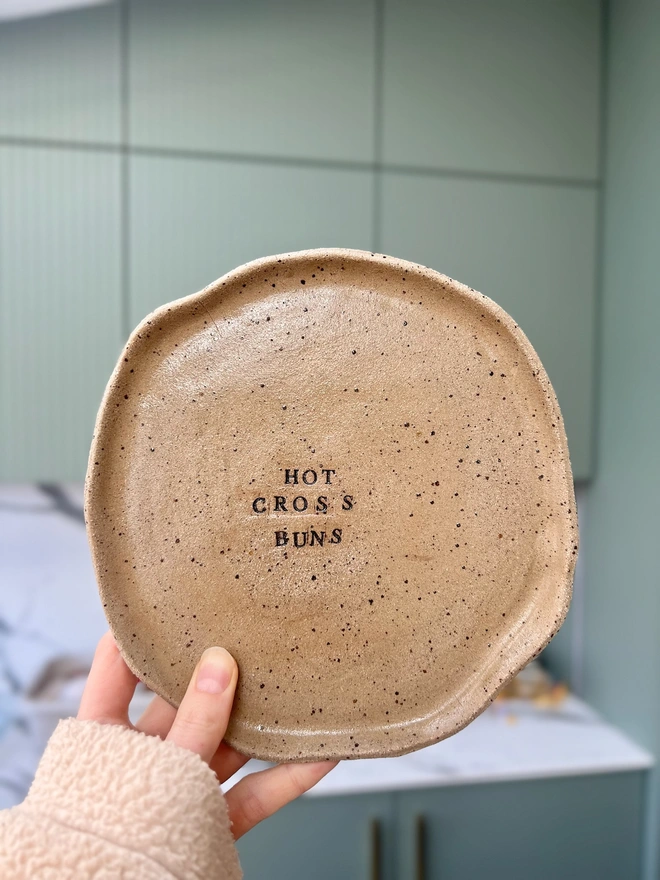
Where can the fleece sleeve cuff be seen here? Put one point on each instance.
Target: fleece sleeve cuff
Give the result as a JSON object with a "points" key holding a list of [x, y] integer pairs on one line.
{"points": [[109, 801]]}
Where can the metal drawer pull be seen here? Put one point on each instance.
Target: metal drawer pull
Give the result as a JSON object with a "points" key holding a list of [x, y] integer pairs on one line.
{"points": [[420, 847], [374, 849]]}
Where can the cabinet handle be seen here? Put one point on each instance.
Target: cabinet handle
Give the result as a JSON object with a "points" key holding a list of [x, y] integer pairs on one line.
{"points": [[420, 848], [374, 849]]}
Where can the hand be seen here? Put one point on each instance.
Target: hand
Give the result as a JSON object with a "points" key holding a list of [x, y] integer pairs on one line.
{"points": [[199, 726]]}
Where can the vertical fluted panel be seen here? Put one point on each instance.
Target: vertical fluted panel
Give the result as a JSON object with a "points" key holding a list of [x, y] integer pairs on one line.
{"points": [[287, 78], [60, 76], [60, 305], [508, 87]]}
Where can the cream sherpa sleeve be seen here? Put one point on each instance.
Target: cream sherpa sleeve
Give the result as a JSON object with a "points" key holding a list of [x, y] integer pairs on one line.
{"points": [[108, 802]]}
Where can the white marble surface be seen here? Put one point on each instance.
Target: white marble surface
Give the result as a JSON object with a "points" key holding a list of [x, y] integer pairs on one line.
{"points": [[49, 604], [49, 609]]}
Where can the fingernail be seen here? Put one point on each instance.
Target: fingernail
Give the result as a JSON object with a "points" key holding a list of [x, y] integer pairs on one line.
{"points": [[216, 669]]}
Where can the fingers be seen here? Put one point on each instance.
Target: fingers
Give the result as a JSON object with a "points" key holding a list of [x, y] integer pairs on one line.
{"points": [[110, 686], [201, 721], [259, 795], [157, 718], [226, 762]]}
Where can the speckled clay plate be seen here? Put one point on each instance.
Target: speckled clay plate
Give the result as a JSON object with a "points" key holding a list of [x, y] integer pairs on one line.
{"points": [[350, 471]]}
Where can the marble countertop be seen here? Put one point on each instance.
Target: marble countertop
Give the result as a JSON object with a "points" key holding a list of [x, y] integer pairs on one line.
{"points": [[49, 609]]}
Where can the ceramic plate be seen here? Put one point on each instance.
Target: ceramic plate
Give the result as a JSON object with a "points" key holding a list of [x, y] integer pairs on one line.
{"points": [[350, 471]]}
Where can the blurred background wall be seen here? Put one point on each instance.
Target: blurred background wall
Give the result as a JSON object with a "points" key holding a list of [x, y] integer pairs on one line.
{"points": [[148, 146], [622, 506]]}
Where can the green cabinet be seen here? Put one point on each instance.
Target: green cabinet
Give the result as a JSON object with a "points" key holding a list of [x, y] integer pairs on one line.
{"points": [[581, 828], [508, 87], [327, 838], [575, 828], [61, 77], [289, 79], [462, 135]]}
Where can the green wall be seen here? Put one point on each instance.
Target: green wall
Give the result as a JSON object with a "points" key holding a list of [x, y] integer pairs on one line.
{"points": [[622, 534], [148, 146]]}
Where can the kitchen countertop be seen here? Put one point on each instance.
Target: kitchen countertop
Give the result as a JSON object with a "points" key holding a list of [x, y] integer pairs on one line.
{"points": [[49, 608]]}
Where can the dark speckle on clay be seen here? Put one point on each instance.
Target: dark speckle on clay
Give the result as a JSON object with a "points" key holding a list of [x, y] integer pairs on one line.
{"points": [[352, 473]]}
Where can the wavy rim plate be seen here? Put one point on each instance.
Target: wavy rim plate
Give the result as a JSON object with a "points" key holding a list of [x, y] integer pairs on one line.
{"points": [[440, 557]]}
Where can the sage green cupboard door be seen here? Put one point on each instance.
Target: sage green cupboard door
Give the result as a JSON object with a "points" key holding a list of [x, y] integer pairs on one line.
{"points": [[510, 87], [287, 78], [60, 76], [192, 220], [324, 838], [578, 828], [60, 306], [531, 248]]}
